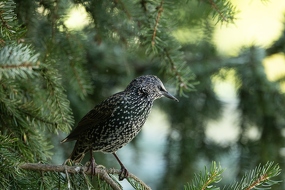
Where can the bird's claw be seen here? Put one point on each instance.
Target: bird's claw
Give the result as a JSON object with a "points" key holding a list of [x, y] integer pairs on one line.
{"points": [[67, 161], [91, 165], [123, 174]]}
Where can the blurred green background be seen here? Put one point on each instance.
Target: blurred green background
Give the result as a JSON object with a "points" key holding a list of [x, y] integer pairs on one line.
{"points": [[235, 115]]}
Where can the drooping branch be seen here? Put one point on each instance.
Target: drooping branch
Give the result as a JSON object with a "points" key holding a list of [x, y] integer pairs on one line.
{"points": [[103, 173]]}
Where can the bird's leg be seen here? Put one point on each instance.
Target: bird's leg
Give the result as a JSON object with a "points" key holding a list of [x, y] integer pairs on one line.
{"points": [[93, 164], [124, 172]]}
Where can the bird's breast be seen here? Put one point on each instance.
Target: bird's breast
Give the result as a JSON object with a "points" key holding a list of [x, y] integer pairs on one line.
{"points": [[123, 125], [131, 116]]}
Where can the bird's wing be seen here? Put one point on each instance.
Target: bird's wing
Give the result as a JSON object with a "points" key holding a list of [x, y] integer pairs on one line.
{"points": [[98, 114]]}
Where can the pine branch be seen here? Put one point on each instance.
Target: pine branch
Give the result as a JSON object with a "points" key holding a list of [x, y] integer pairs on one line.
{"points": [[182, 73], [260, 177], [7, 16], [79, 80], [57, 100], [224, 10], [9, 28], [159, 12], [30, 104], [124, 8], [72, 63], [205, 180], [103, 173], [8, 157], [24, 65], [160, 42], [18, 61]]}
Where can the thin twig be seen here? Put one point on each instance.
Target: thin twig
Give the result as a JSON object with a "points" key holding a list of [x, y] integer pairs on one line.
{"points": [[101, 172], [67, 176], [140, 181]]}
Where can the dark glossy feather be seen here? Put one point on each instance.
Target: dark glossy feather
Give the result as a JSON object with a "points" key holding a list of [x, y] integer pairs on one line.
{"points": [[99, 114]]}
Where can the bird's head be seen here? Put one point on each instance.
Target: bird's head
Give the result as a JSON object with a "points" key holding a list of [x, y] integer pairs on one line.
{"points": [[149, 86]]}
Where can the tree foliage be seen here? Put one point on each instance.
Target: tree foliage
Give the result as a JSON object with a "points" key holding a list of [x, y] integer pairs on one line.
{"points": [[50, 73]]}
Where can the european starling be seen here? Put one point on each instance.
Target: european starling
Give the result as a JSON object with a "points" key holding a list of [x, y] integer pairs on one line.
{"points": [[117, 120]]}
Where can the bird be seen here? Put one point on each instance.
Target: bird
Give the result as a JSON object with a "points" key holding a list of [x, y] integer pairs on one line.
{"points": [[116, 121]]}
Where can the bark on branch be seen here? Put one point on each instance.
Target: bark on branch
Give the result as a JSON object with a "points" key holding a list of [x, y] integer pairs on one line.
{"points": [[103, 173]]}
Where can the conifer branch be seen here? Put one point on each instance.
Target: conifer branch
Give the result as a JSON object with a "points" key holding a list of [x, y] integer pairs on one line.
{"points": [[215, 7], [101, 172], [224, 14], [78, 79], [143, 5], [207, 179], [160, 10], [25, 65], [161, 43], [260, 177], [124, 8], [9, 29], [57, 97], [3, 21], [2, 42], [36, 116], [258, 181], [174, 70]]}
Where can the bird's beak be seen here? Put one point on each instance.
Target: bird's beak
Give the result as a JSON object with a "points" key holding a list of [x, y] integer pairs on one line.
{"points": [[170, 96]]}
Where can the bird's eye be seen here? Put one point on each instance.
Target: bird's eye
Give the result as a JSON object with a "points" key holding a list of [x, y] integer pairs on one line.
{"points": [[161, 89], [143, 90]]}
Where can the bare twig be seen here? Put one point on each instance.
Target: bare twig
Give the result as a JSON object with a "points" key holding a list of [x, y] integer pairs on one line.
{"points": [[101, 172]]}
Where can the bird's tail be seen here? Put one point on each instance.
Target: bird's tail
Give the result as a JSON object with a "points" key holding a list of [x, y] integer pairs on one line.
{"points": [[78, 152]]}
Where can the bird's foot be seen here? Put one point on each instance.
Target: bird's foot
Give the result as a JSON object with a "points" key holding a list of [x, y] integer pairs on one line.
{"points": [[67, 162], [91, 165], [123, 174]]}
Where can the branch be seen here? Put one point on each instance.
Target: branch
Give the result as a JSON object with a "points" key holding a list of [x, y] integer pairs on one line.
{"points": [[215, 7], [124, 8], [160, 9], [25, 65], [224, 9], [258, 181], [77, 77], [101, 172], [176, 72]]}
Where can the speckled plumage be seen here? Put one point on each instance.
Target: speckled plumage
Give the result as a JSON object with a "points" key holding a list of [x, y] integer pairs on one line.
{"points": [[118, 119]]}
